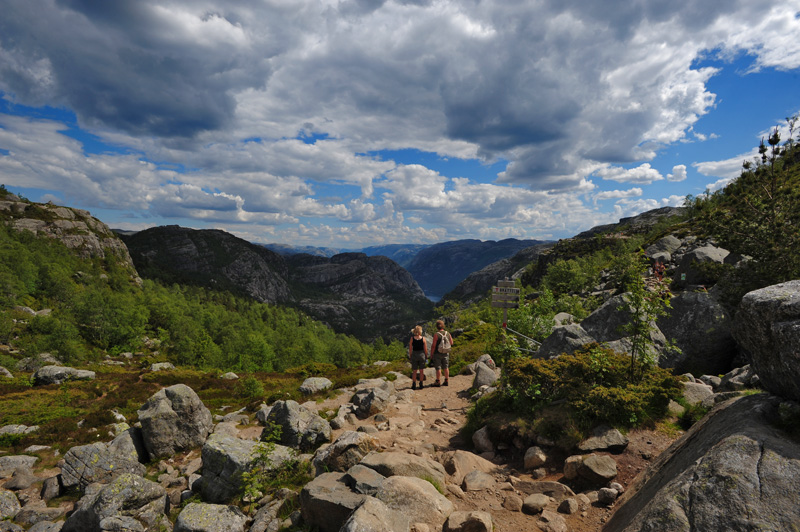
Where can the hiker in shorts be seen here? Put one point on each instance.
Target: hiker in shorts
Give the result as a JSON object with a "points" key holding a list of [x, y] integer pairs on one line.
{"points": [[441, 360], [418, 356]]}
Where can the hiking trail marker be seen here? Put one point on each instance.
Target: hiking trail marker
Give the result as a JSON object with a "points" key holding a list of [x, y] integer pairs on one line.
{"points": [[505, 296]]}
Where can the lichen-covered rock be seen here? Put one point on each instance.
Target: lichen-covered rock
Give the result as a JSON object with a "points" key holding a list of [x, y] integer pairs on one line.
{"points": [[416, 498], [733, 470], [126, 496], [9, 504], [10, 463], [768, 328], [300, 427], [60, 374], [174, 420], [371, 401], [202, 517], [226, 458], [315, 384]]}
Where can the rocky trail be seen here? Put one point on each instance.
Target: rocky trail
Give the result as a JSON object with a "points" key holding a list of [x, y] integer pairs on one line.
{"points": [[427, 423]]}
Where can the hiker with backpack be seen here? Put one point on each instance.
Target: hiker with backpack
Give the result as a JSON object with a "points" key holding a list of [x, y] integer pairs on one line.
{"points": [[418, 356], [440, 353]]}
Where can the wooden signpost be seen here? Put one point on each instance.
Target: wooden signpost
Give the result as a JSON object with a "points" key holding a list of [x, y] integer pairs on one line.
{"points": [[505, 296]]}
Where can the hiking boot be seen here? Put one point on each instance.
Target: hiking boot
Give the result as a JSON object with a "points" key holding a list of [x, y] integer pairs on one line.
{"points": [[446, 382], [421, 386], [414, 385], [437, 384]]}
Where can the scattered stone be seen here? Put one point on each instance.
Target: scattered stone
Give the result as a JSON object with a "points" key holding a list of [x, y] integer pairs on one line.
{"points": [[478, 481], [51, 488], [569, 506], [364, 480], [9, 504], [534, 504], [35, 363], [534, 457], [394, 463], [417, 498], [458, 463], [607, 496], [375, 516], [229, 376], [22, 479], [484, 376], [5, 373], [552, 522], [10, 463], [512, 503], [598, 470], [604, 438], [162, 366], [327, 502], [345, 452], [482, 441], [695, 392]]}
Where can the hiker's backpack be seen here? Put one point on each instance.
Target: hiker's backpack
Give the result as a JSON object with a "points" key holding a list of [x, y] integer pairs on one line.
{"points": [[444, 344]]}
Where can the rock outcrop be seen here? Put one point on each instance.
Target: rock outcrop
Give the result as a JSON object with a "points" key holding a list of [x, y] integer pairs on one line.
{"points": [[733, 470], [768, 329]]}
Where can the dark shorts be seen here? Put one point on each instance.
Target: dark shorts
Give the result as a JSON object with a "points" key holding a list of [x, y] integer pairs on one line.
{"points": [[418, 360], [441, 360]]}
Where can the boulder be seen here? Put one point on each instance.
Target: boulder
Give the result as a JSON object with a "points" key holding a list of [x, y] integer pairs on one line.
{"points": [[9, 504], [58, 374], [327, 502], [458, 463], [37, 362], [300, 427], [202, 517], [482, 441], [477, 481], [487, 359], [469, 522], [363, 479], [691, 271], [738, 379], [162, 366], [21, 479], [174, 420], [127, 496], [768, 329], [32, 514], [10, 463], [484, 376], [732, 470], [345, 452], [702, 331], [315, 384], [51, 488], [668, 244], [374, 516], [556, 490], [226, 458], [534, 457], [597, 470], [605, 324], [695, 392], [416, 498], [604, 438], [565, 339], [229, 376], [535, 503], [550, 521], [370, 401], [393, 463], [5, 373], [267, 518]]}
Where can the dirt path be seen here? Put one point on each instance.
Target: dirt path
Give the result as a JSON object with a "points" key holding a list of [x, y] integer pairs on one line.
{"points": [[428, 421]]}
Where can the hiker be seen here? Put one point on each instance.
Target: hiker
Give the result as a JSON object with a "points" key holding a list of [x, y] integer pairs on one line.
{"points": [[440, 353], [418, 356], [659, 270]]}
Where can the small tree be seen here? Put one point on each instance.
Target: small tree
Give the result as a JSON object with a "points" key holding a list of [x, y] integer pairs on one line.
{"points": [[645, 305]]}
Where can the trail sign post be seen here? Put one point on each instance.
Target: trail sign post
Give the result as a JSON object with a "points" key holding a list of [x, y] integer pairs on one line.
{"points": [[505, 296]]}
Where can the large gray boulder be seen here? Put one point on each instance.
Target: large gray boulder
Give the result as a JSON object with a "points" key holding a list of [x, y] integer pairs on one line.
{"points": [[484, 376], [327, 502], [371, 401], [702, 331], [565, 339], [768, 329], [60, 374], [416, 498], [604, 438], [300, 427], [226, 458], [348, 450], [668, 244], [458, 463], [201, 517], [391, 463], [605, 324], [733, 470], [374, 516], [692, 269], [37, 362], [10, 463], [315, 384], [128, 498], [100, 462], [9, 504], [174, 420]]}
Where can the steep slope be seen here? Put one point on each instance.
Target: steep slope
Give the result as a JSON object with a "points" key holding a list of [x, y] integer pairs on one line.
{"points": [[439, 268], [364, 296], [210, 258], [402, 254]]}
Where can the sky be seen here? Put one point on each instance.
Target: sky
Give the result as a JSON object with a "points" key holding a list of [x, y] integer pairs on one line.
{"points": [[366, 122]]}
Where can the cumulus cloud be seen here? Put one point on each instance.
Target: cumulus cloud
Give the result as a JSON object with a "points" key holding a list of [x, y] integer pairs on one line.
{"points": [[641, 175], [266, 104], [678, 173]]}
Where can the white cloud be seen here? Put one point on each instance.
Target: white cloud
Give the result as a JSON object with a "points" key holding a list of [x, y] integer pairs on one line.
{"points": [[678, 173], [641, 175], [617, 194]]}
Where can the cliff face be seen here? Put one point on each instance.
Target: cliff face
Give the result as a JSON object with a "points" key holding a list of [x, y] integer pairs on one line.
{"points": [[368, 297], [212, 258], [75, 228], [364, 296]]}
